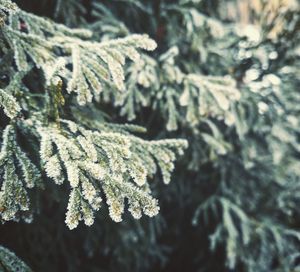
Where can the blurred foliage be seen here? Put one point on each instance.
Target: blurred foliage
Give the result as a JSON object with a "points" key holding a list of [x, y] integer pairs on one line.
{"points": [[10, 262]]}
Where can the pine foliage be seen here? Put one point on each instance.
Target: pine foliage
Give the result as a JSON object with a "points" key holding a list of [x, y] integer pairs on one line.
{"points": [[106, 160]]}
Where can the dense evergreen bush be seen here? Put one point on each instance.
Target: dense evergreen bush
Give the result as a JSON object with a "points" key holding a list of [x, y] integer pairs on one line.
{"points": [[102, 100]]}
